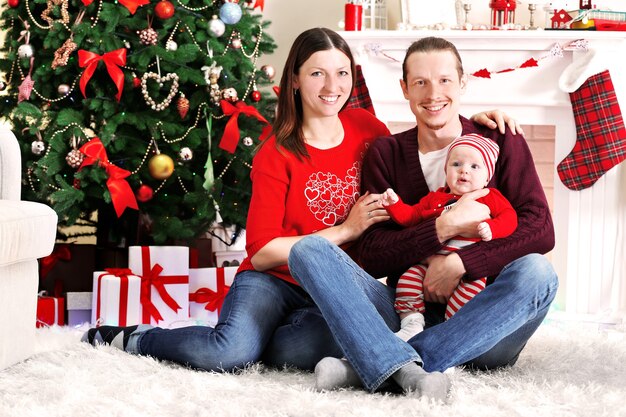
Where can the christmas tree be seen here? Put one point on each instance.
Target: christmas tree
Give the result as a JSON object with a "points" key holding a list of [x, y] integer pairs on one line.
{"points": [[142, 112]]}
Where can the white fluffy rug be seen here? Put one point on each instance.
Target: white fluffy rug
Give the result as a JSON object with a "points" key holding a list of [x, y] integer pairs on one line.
{"points": [[568, 369]]}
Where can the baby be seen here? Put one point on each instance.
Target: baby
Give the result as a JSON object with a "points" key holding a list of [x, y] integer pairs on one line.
{"points": [[469, 166]]}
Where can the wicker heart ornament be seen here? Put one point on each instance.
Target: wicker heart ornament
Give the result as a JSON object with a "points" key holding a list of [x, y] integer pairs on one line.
{"points": [[170, 77]]}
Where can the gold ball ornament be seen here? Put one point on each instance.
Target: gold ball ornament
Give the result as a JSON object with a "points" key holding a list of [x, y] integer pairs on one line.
{"points": [[161, 166]]}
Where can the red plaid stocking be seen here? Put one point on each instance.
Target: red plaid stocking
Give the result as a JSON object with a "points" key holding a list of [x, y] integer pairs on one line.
{"points": [[360, 96], [600, 133]]}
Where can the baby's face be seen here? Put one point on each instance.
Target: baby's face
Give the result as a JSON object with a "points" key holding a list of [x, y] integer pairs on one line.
{"points": [[465, 170]]}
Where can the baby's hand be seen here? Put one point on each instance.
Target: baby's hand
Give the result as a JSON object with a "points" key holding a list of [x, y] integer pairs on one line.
{"points": [[389, 198], [484, 231]]}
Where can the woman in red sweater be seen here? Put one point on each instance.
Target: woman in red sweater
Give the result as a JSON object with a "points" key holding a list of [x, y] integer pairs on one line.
{"points": [[306, 180]]}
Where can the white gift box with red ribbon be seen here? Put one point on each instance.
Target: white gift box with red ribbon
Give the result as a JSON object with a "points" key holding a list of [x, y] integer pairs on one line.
{"points": [[164, 272], [116, 295], [207, 289]]}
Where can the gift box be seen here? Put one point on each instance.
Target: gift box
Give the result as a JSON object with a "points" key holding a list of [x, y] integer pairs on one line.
{"points": [[207, 289], [78, 307], [50, 310], [68, 269], [164, 272], [116, 298]]}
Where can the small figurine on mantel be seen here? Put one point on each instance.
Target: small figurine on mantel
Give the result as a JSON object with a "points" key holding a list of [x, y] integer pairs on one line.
{"points": [[560, 19], [585, 5], [502, 12]]}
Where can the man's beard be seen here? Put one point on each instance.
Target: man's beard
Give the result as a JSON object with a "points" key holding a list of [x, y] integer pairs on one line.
{"points": [[435, 127]]}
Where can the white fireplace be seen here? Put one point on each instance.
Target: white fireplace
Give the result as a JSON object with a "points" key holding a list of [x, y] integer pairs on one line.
{"points": [[590, 225]]}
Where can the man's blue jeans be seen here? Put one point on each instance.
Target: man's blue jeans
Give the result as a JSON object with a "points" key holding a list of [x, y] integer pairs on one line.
{"points": [[489, 332]]}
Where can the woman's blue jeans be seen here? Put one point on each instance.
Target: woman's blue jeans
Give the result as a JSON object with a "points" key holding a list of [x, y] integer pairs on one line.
{"points": [[254, 307]]}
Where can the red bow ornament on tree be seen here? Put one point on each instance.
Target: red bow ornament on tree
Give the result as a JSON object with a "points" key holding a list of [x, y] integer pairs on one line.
{"points": [[258, 3], [122, 195], [113, 61], [231, 135], [131, 5]]}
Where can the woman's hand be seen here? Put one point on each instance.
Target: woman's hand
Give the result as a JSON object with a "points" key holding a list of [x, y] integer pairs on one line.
{"points": [[365, 212], [497, 118]]}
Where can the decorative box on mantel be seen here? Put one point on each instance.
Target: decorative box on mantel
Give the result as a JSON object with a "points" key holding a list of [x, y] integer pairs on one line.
{"points": [[590, 225]]}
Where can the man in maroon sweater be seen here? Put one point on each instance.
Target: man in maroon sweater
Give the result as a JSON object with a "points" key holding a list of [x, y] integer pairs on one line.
{"points": [[491, 330]]}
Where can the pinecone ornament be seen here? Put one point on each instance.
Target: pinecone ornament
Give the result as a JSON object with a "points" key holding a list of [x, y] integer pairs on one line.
{"points": [[182, 105], [74, 158], [148, 36]]}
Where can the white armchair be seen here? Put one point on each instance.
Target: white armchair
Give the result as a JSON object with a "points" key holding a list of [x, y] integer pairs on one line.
{"points": [[27, 232]]}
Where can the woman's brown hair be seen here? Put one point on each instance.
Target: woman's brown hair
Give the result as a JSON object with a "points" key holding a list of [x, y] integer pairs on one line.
{"points": [[287, 126]]}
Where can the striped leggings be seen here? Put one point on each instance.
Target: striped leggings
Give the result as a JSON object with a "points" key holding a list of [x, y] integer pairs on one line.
{"points": [[410, 288]]}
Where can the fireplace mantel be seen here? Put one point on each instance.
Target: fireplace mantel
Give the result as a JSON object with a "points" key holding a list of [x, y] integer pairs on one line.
{"points": [[590, 252]]}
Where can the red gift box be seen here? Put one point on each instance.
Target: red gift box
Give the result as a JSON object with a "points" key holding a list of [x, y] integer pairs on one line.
{"points": [[50, 311]]}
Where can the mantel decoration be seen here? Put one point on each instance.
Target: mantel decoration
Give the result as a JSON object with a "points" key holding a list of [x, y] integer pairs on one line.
{"points": [[555, 52]]}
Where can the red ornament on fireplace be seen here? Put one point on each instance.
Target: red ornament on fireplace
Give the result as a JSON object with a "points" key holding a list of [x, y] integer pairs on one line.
{"points": [[502, 12]]}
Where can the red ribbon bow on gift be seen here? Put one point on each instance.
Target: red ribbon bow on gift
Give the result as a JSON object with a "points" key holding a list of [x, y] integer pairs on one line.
{"points": [[214, 299], [231, 135], [131, 5], [122, 195], [60, 253], [122, 274], [152, 277], [113, 60]]}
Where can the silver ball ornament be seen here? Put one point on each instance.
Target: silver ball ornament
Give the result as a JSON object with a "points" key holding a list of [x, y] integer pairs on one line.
{"points": [[236, 43], [230, 94], [3, 86], [25, 51], [37, 147], [247, 141], [63, 89], [230, 13], [185, 154], [216, 27], [269, 71], [171, 45]]}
